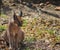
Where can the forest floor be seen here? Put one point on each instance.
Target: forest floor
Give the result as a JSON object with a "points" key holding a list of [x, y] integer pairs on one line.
{"points": [[40, 25]]}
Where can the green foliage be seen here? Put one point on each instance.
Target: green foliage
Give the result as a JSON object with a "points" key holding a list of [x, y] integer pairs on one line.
{"points": [[3, 16], [25, 22], [30, 39], [27, 48], [57, 38], [51, 32], [39, 31], [2, 28]]}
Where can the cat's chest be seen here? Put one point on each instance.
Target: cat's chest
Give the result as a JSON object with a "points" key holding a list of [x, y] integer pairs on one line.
{"points": [[14, 32]]}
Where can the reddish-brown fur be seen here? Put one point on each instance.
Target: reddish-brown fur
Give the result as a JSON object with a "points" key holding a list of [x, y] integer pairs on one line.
{"points": [[14, 33], [16, 36]]}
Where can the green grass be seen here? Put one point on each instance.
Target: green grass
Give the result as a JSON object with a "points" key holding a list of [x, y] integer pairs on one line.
{"points": [[51, 32], [3, 16], [30, 39], [57, 38], [2, 28], [25, 22], [27, 48]]}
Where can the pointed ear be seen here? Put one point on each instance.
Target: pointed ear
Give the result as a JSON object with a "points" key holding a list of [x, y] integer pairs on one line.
{"points": [[20, 14], [17, 18], [14, 15]]}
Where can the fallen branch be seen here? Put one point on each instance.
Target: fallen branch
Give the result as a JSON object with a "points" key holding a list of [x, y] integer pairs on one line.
{"points": [[49, 12]]}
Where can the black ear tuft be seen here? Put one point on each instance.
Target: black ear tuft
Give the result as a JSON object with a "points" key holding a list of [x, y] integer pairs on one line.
{"points": [[20, 14], [14, 16]]}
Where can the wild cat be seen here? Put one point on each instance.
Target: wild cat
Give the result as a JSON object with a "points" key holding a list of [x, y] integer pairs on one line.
{"points": [[14, 36]]}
